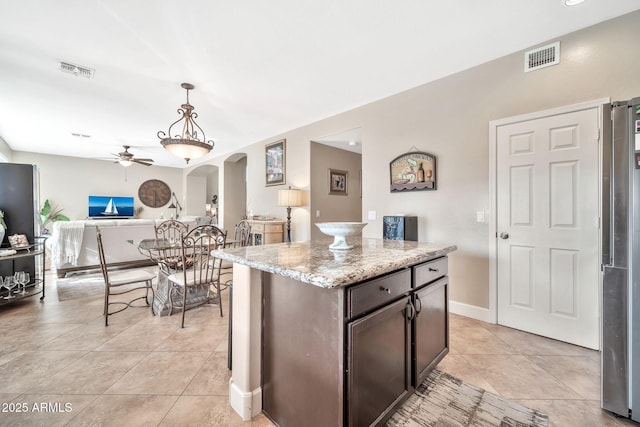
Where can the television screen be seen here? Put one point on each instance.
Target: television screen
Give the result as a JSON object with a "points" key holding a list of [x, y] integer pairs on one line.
{"points": [[110, 206]]}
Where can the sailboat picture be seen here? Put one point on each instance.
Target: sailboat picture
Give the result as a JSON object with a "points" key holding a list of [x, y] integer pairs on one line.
{"points": [[110, 207]]}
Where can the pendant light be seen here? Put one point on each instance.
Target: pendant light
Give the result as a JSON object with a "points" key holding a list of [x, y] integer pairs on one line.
{"points": [[189, 145]]}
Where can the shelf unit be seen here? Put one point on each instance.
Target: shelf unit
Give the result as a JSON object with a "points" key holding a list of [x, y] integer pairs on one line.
{"points": [[36, 286]]}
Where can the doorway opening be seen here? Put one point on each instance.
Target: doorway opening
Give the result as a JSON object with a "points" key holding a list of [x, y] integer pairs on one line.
{"points": [[335, 155]]}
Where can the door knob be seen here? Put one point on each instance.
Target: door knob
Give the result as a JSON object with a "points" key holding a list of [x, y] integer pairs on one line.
{"points": [[504, 235]]}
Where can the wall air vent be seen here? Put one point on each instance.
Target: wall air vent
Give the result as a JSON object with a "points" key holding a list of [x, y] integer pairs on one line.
{"points": [[77, 70], [542, 57]]}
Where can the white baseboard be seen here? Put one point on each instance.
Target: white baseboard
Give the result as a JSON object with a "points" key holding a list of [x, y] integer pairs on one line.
{"points": [[472, 311], [247, 405]]}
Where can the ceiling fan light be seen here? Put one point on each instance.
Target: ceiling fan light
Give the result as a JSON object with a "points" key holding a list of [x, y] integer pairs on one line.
{"points": [[572, 2], [125, 163], [188, 145]]}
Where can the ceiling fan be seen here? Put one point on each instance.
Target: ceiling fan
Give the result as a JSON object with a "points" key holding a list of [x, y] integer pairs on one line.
{"points": [[125, 158]]}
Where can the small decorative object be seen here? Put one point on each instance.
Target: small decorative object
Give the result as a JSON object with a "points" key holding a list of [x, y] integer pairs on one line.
{"points": [[18, 241], [338, 182], [400, 227], [411, 171], [275, 162], [340, 231], [154, 193]]}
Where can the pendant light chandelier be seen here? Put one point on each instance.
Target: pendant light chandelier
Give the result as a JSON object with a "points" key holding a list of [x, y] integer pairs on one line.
{"points": [[188, 145]]}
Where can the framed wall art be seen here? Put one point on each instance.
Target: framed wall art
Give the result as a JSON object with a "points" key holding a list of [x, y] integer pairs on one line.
{"points": [[275, 158], [338, 182], [412, 171]]}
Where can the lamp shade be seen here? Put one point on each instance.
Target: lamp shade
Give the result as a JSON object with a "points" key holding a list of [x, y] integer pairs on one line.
{"points": [[185, 148], [290, 197]]}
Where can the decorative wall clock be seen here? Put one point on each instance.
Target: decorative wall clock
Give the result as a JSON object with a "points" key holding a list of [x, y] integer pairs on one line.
{"points": [[154, 193]]}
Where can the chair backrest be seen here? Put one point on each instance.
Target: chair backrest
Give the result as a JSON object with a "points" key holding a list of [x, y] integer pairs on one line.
{"points": [[103, 261], [168, 236], [198, 265], [242, 233]]}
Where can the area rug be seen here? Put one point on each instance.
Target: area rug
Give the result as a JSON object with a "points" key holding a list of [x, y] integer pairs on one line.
{"points": [[445, 401], [83, 285]]}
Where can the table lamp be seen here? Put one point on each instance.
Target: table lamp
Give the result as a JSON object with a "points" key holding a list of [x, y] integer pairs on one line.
{"points": [[289, 198]]}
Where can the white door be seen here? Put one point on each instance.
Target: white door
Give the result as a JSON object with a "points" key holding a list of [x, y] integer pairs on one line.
{"points": [[547, 226]]}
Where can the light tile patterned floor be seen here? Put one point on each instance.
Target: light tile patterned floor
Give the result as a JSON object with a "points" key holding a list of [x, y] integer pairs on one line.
{"points": [[145, 370]]}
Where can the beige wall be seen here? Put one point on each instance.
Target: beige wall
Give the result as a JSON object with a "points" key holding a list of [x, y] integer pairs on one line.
{"points": [[450, 118], [67, 181], [333, 207], [235, 192]]}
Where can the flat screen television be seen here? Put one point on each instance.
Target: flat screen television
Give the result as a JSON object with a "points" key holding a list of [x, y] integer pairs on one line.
{"points": [[110, 207]]}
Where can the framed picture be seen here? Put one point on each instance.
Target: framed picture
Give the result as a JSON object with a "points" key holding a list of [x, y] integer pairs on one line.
{"points": [[18, 241], [338, 182], [413, 171], [275, 157]]}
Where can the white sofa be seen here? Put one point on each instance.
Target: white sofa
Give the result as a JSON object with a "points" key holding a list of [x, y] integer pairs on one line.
{"points": [[115, 236]]}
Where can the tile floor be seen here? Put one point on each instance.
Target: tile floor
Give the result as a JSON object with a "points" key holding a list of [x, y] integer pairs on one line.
{"points": [[59, 362]]}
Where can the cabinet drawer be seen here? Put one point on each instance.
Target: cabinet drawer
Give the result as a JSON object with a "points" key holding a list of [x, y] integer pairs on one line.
{"points": [[257, 228], [429, 271], [378, 292], [273, 228]]}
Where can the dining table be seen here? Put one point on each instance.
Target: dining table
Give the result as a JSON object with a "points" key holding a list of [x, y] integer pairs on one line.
{"points": [[167, 298]]}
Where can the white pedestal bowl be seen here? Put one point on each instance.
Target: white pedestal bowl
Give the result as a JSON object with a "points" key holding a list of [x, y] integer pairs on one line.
{"points": [[340, 231]]}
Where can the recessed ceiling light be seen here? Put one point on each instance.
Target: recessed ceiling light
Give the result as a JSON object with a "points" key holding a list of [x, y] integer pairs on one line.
{"points": [[572, 2], [353, 143]]}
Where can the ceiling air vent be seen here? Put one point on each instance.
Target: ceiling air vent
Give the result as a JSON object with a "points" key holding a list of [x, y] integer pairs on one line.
{"points": [[542, 57], [77, 70]]}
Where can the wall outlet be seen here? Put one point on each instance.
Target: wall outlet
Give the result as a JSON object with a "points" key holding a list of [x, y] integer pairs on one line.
{"points": [[372, 215], [318, 213]]}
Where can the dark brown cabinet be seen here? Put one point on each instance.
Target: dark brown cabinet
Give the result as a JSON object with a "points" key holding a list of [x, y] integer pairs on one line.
{"points": [[379, 369], [351, 355], [430, 328]]}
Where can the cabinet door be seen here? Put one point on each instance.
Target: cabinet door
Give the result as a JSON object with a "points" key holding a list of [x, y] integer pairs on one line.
{"points": [[431, 328], [379, 363]]}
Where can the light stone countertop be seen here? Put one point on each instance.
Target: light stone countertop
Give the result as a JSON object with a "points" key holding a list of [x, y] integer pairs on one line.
{"points": [[312, 261]]}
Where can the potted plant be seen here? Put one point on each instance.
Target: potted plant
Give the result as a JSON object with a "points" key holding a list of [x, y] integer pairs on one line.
{"points": [[50, 214]]}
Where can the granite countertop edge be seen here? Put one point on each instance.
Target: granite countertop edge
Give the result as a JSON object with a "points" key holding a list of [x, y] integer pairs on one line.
{"points": [[351, 275]]}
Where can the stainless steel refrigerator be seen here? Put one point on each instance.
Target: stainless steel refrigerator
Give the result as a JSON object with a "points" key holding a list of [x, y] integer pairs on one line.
{"points": [[620, 357]]}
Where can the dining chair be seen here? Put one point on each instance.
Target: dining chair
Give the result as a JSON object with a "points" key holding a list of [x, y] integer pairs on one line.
{"points": [[242, 233], [168, 236], [116, 279], [198, 267]]}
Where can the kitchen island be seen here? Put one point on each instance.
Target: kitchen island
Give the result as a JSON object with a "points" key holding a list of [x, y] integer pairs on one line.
{"points": [[335, 338]]}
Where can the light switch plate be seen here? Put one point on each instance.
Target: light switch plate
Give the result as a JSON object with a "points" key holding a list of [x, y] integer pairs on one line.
{"points": [[372, 215], [480, 216]]}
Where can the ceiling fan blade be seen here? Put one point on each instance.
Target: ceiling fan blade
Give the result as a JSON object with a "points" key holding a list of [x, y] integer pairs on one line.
{"points": [[139, 161], [144, 160]]}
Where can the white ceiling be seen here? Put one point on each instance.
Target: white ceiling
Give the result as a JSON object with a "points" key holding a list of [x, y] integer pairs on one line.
{"points": [[260, 67]]}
